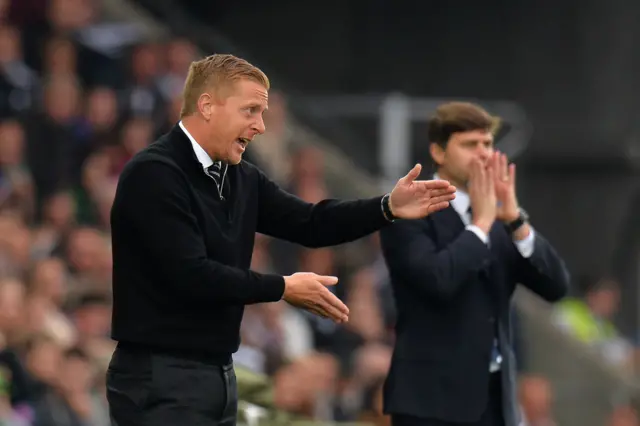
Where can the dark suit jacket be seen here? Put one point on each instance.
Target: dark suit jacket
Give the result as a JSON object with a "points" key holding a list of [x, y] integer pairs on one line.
{"points": [[452, 295]]}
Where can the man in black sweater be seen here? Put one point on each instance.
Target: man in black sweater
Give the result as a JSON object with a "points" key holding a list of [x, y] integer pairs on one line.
{"points": [[183, 224]]}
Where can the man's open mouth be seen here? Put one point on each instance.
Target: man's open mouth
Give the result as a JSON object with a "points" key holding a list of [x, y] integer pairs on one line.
{"points": [[243, 141]]}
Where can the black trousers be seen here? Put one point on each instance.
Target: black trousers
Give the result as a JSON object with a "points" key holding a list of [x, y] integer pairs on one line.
{"points": [[150, 388], [492, 416]]}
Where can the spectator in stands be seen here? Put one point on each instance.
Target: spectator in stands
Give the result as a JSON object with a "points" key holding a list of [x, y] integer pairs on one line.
{"points": [[590, 319], [46, 294], [180, 54], [305, 387], [16, 183], [60, 58], [143, 97], [54, 140], [306, 180], [11, 315], [18, 82], [58, 219], [15, 238], [624, 416], [274, 152], [70, 401], [535, 399], [272, 334], [9, 416], [137, 133]]}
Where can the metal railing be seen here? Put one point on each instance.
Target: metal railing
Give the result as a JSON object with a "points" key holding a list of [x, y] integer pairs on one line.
{"points": [[586, 389]]}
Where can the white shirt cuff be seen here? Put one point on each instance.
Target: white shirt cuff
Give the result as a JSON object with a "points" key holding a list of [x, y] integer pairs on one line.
{"points": [[525, 247], [479, 232]]}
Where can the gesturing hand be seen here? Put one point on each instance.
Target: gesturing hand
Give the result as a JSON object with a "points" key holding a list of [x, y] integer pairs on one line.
{"points": [[414, 199], [482, 195], [308, 291], [505, 184]]}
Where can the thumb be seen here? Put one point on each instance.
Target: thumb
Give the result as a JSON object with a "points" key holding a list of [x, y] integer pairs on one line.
{"points": [[413, 174], [327, 280]]}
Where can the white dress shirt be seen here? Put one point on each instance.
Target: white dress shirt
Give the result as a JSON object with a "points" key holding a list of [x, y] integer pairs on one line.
{"points": [[461, 205], [201, 154], [205, 160]]}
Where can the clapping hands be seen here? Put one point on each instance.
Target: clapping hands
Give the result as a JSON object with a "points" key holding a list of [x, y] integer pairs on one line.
{"points": [[492, 191]]}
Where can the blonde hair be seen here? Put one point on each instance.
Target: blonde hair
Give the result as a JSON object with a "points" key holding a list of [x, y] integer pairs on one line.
{"points": [[217, 72]]}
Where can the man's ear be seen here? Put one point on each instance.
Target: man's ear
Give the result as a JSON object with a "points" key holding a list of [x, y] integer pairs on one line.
{"points": [[437, 153], [205, 104]]}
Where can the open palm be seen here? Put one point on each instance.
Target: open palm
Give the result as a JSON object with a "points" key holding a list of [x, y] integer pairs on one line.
{"points": [[414, 199]]}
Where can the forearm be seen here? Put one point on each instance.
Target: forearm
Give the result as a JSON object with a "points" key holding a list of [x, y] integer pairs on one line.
{"points": [[337, 222], [544, 271], [327, 223], [211, 283]]}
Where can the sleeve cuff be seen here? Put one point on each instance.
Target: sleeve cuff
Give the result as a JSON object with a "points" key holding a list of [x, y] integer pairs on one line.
{"points": [[479, 232], [273, 286], [525, 247]]}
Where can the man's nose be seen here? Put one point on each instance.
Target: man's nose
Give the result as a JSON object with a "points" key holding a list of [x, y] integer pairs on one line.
{"points": [[484, 153], [259, 126]]}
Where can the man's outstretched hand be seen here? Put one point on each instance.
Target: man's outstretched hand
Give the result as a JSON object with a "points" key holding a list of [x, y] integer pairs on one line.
{"points": [[414, 199], [309, 291]]}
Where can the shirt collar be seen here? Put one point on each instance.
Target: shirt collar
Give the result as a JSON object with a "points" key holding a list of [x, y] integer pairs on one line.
{"points": [[462, 201], [201, 154]]}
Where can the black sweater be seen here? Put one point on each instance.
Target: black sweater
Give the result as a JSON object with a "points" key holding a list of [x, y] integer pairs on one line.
{"points": [[181, 255]]}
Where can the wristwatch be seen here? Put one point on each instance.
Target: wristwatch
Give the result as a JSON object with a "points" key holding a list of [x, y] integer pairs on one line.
{"points": [[516, 224], [386, 209]]}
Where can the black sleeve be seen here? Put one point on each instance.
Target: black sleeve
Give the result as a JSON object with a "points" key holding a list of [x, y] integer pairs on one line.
{"points": [[153, 198], [413, 258], [327, 223], [544, 272]]}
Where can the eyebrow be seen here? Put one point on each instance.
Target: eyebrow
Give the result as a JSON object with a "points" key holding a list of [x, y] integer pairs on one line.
{"points": [[256, 105]]}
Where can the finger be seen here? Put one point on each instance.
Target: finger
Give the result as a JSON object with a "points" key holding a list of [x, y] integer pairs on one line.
{"points": [[334, 307], [436, 185], [490, 178], [512, 173], [318, 308], [327, 280], [325, 308], [482, 175], [413, 174], [504, 166], [437, 192], [495, 161], [442, 198], [438, 206], [317, 311]]}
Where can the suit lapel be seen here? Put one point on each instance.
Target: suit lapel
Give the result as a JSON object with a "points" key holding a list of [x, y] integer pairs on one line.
{"points": [[447, 224]]}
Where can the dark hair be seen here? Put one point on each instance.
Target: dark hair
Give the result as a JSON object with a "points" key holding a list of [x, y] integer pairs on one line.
{"points": [[88, 300], [587, 283], [456, 117]]}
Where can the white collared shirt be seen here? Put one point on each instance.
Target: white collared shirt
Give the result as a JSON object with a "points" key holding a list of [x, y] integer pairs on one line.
{"points": [[461, 205], [205, 159], [201, 154]]}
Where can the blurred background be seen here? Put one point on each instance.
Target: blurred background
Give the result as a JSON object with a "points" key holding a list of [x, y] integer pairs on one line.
{"points": [[85, 84]]}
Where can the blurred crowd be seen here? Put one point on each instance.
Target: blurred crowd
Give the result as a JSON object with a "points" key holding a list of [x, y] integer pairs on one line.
{"points": [[78, 97]]}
